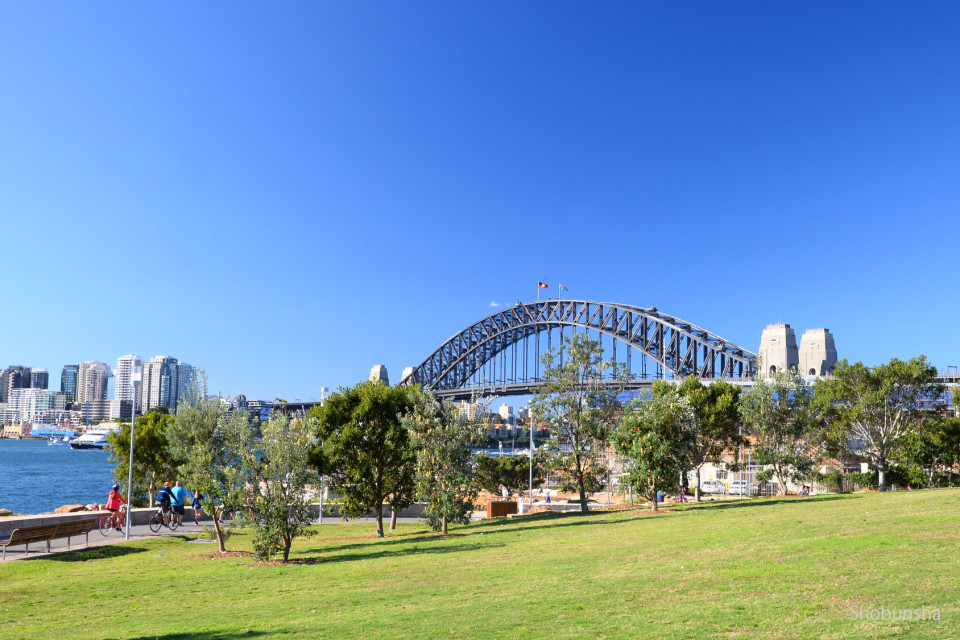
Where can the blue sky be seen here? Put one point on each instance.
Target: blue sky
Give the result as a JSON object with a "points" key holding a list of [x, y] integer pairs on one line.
{"points": [[286, 195]]}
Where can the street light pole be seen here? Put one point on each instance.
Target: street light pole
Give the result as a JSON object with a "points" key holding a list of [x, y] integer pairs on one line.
{"points": [[134, 379], [530, 413]]}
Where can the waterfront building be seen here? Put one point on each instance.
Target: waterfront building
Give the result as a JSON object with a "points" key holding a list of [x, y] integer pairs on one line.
{"points": [[92, 378], [39, 379], [13, 377], [128, 367], [165, 381], [68, 382], [106, 409], [30, 404], [188, 381], [259, 409]]}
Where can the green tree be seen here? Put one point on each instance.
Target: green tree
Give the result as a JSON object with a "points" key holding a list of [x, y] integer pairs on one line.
{"points": [[512, 472], [445, 476], [281, 497], [872, 409], [656, 436], [715, 421], [215, 452], [778, 411], [363, 446], [579, 399], [152, 464]]}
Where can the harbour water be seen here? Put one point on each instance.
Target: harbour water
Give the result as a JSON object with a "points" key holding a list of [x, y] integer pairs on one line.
{"points": [[36, 477]]}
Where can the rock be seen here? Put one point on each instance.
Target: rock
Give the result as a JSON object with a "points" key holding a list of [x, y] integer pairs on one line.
{"points": [[70, 508], [5, 512]]}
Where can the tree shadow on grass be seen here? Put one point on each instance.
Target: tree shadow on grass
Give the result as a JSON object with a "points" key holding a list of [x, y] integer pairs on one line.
{"points": [[205, 635], [383, 549], [762, 502], [93, 553]]}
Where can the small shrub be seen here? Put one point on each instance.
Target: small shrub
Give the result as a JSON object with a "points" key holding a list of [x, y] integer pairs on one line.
{"points": [[836, 481], [209, 533]]}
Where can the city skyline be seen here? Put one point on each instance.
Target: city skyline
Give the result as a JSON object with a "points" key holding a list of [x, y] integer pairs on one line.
{"points": [[293, 196]]}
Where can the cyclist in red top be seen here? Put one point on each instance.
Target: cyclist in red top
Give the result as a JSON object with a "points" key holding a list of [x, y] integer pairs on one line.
{"points": [[113, 504]]}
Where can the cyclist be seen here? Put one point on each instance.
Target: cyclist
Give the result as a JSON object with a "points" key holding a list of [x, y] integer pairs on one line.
{"points": [[165, 500], [113, 505]]}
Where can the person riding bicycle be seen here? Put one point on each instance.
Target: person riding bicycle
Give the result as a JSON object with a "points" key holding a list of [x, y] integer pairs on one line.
{"points": [[113, 504], [165, 500]]}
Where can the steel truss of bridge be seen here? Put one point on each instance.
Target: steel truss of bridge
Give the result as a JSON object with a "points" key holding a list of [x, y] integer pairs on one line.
{"points": [[500, 355]]}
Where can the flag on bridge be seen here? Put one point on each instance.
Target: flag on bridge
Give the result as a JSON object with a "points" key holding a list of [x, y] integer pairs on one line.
{"points": [[542, 285], [563, 288]]}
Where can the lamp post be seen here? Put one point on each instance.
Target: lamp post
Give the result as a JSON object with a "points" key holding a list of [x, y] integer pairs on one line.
{"points": [[530, 413], [135, 381]]}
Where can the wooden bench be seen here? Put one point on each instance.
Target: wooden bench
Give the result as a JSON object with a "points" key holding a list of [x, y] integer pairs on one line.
{"points": [[76, 528], [26, 535]]}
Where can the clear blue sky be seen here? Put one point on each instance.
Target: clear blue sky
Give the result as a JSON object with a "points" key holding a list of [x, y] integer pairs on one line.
{"points": [[287, 194]]}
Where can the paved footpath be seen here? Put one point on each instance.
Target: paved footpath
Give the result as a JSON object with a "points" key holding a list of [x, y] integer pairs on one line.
{"points": [[139, 532]]}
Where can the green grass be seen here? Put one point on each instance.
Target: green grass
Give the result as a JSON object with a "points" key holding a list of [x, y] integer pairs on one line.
{"points": [[758, 569]]}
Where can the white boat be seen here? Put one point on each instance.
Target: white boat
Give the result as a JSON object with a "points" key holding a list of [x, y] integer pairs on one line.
{"points": [[94, 439], [54, 440]]}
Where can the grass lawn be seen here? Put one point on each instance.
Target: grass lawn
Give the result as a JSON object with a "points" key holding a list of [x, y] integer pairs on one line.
{"points": [[763, 568]]}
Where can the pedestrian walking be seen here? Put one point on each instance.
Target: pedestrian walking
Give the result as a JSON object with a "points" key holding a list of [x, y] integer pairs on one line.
{"points": [[197, 511], [179, 498]]}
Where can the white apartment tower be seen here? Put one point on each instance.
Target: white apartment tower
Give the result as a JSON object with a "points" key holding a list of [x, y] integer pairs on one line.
{"points": [[127, 368], [92, 378]]}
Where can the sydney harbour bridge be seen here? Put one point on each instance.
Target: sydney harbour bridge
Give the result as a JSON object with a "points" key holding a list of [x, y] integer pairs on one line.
{"points": [[501, 354]]}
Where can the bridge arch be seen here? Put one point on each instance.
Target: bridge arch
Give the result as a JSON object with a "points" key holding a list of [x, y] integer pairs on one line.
{"points": [[676, 347]]}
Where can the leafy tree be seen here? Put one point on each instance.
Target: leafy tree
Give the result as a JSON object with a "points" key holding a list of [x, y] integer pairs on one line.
{"points": [[363, 446], [715, 421], [580, 405], [512, 472], [215, 452], [445, 476], [778, 410], [872, 409], [281, 497], [152, 464], [656, 436]]}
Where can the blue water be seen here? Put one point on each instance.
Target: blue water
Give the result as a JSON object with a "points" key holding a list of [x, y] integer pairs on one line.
{"points": [[36, 477]]}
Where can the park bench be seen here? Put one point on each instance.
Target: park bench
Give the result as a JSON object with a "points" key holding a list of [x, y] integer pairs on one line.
{"points": [[26, 535], [76, 528]]}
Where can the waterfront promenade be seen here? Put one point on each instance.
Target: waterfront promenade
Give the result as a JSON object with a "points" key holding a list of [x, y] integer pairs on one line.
{"points": [[138, 532]]}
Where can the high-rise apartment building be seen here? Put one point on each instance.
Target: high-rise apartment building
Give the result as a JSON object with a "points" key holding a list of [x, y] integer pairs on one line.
{"points": [[39, 379], [188, 380], [165, 381], [13, 377], [128, 367], [31, 404], [92, 380], [68, 381]]}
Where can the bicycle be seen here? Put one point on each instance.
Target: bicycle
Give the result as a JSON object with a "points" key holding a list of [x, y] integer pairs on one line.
{"points": [[113, 520], [156, 521]]}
